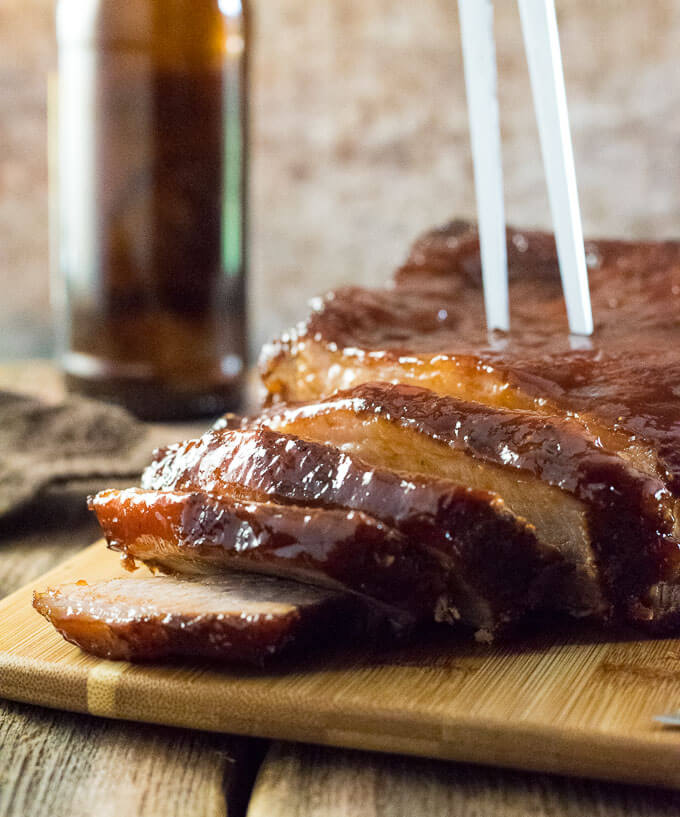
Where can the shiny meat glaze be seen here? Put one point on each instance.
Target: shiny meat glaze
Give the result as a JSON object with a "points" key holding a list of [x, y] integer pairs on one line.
{"points": [[629, 516], [494, 561], [429, 330], [202, 534], [237, 618]]}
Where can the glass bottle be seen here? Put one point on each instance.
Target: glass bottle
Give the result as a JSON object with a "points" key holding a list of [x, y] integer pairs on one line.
{"points": [[152, 108]]}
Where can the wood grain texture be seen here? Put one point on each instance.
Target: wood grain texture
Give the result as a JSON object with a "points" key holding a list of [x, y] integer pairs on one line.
{"points": [[565, 703], [314, 781], [63, 764]]}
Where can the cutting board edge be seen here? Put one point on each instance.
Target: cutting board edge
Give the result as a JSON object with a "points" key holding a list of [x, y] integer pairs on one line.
{"points": [[647, 757], [655, 769]]}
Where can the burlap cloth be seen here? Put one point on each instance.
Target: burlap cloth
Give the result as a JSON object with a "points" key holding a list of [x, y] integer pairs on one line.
{"points": [[75, 444]]}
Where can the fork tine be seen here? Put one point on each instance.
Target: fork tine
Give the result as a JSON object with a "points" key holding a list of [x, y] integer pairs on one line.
{"points": [[671, 719], [542, 46], [479, 58]]}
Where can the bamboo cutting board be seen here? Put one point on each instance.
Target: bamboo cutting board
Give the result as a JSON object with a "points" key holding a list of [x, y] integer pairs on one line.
{"points": [[571, 705]]}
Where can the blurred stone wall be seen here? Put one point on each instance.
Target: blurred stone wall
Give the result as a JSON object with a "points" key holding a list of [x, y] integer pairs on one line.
{"points": [[360, 140]]}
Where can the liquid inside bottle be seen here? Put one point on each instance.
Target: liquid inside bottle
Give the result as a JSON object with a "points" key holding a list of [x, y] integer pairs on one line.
{"points": [[152, 157]]}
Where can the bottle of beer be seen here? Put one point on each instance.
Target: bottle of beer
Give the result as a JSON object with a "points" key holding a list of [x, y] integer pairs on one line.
{"points": [[152, 104]]}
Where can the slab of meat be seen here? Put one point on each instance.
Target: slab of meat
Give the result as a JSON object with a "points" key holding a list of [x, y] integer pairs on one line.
{"points": [[613, 522], [493, 566], [409, 461], [234, 618], [198, 533], [428, 329], [621, 389]]}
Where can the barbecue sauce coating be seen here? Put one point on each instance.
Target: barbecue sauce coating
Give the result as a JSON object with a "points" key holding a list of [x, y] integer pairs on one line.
{"points": [[484, 548], [429, 329], [630, 514], [199, 533]]}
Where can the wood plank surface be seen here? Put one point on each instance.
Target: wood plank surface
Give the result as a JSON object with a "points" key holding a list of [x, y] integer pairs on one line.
{"points": [[565, 703], [64, 764], [314, 781]]}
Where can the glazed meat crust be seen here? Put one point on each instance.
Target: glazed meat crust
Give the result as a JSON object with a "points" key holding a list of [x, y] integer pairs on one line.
{"points": [[428, 330], [616, 395], [198, 533], [614, 522], [493, 558], [410, 466]]}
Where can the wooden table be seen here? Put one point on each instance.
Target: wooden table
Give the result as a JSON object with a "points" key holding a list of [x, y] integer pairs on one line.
{"points": [[66, 765]]}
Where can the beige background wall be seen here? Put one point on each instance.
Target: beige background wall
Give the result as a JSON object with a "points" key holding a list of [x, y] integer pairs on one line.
{"points": [[360, 139]]}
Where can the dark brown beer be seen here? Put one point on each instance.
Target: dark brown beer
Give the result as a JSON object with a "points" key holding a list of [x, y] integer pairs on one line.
{"points": [[152, 111]]}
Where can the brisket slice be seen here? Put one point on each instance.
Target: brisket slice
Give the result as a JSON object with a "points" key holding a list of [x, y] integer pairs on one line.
{"points": [[496, 569], [613, 522], [428, 329], [233, 618], [196, 533]]}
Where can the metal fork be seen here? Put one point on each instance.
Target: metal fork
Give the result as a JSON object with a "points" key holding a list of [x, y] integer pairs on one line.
{"points": [[670, 719], [542, 47]]}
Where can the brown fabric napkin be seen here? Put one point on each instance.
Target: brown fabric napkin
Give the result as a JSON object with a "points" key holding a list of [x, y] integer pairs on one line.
{"points": [[77, 441]]}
